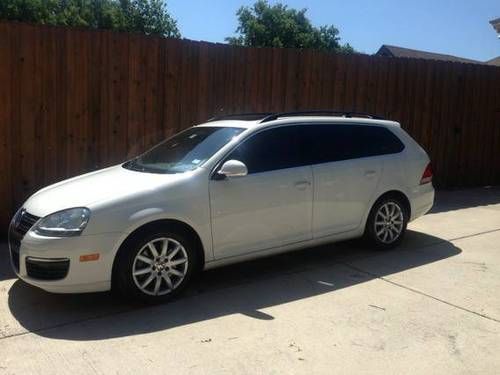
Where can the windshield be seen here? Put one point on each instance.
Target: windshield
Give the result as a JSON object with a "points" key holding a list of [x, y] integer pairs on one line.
{"points": [[184, 151]]}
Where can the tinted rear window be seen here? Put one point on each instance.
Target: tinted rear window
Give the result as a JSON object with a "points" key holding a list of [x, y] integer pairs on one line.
{"points": [[327, 143]]}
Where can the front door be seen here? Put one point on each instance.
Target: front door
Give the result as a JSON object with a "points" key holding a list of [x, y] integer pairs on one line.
{"points": [[269, 207]]}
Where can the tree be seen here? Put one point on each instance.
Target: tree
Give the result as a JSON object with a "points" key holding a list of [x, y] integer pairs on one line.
{"points": [[263, 25], [149, 16], [146, 16]]}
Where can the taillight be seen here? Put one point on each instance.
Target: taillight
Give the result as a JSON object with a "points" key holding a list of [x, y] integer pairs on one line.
{"points": [[427, 176]]}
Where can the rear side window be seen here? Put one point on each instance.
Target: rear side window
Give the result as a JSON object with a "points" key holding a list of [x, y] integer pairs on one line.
{"points": [[272, 149], [327, 143]]}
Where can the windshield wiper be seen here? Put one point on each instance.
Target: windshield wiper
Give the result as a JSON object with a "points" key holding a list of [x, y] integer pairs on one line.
{"points": [[134, 166]]}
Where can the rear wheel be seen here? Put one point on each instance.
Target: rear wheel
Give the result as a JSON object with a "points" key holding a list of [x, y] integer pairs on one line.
{"points": [[386, 224], [156, 267]]}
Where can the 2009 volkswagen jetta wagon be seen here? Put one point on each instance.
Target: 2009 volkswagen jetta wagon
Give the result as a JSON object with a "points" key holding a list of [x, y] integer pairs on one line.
{"points": [[224, 191]]}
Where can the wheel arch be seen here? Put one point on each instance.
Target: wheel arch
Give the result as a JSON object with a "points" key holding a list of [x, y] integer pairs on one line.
{"points": [[398, 194], [171, 224]]}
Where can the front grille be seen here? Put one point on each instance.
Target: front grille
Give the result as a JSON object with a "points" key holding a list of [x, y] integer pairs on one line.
{"points": [[25, 222], [21, 224], [47, 269]]}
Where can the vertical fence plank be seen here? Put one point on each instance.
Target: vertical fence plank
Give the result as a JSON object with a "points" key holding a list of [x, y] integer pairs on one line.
{"points": [[6, 61], [152, 133], [493, 119], [382, 85], [454, 97], [15, 121], [49, 74], [188, 98], [495, 122], [362, 99], [94, 100], [77, 120], [118, 96], [372, 67], [391, 89], [28, 111], [409, 109], [135, 100], [351, 83], [445, 140], [463, 126], [433, 128], [291, 84], [104, 88], [204, 82], [278, 78], [329, 67], [472, 165], [172, 85], [485, 125]]}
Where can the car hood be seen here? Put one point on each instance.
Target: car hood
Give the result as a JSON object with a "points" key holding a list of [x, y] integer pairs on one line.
{"points": [[89, 189]]}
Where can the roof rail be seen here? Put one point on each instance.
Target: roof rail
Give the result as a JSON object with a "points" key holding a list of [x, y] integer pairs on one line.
{"points": [[275, 116], [242, 116]]}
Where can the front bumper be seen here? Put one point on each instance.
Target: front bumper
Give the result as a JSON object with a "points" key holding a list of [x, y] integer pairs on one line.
{"points": [[53, 264]]}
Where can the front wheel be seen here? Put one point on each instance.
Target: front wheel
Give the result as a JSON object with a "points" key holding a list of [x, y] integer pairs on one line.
{"points": [[156, 267], [386, 224]]}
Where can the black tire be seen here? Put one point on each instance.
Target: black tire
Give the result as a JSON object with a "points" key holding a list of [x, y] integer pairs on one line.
{"points": [[370, 235], [123, 279]]}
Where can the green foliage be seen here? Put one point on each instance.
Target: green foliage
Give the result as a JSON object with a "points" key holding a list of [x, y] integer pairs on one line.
{"points": [[145, 16], [264, 25]]}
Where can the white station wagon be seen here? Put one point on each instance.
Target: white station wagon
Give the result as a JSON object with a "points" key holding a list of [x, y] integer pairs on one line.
{"points": [[228, 190]]}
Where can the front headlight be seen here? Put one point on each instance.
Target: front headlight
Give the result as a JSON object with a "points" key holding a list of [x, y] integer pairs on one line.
{"points": [[66, 223]]}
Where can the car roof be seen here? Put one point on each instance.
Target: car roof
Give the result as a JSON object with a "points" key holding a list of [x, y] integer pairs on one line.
{"points": [[248, 124]]}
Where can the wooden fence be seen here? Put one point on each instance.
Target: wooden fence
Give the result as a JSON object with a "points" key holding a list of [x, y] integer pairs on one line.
{"points": [[75, 100]]}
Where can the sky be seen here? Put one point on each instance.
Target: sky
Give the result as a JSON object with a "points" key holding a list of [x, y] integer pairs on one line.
{"points": [[458, 27]]}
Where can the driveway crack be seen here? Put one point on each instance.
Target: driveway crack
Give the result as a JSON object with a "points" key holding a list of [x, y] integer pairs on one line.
{"points": [[382, 278]]}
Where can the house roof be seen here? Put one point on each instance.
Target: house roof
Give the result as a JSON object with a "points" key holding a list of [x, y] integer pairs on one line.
{"points": [[495, 61], [394, 51]]}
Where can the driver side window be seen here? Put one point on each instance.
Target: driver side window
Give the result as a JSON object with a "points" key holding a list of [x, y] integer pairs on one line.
{"points": [[269, 150]]}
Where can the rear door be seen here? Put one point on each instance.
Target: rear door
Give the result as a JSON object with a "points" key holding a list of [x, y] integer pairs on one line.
{"points": [[347, 162]]}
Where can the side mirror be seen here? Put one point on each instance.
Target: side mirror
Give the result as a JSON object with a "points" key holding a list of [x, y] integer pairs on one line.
{"points": [[233, 168]]}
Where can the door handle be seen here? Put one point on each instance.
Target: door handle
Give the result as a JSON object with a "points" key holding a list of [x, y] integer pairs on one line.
{"points": [[302, 184], [370, 174]]}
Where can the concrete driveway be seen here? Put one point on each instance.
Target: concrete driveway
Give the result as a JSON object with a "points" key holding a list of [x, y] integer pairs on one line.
{"points": [[430, 306]]}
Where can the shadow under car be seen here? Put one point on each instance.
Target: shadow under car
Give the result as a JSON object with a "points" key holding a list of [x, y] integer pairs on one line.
{"points": [[244, 288]]}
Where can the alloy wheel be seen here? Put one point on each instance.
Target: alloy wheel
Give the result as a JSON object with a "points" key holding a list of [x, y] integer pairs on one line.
{"points": [[389, 221], [160, 266]]}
